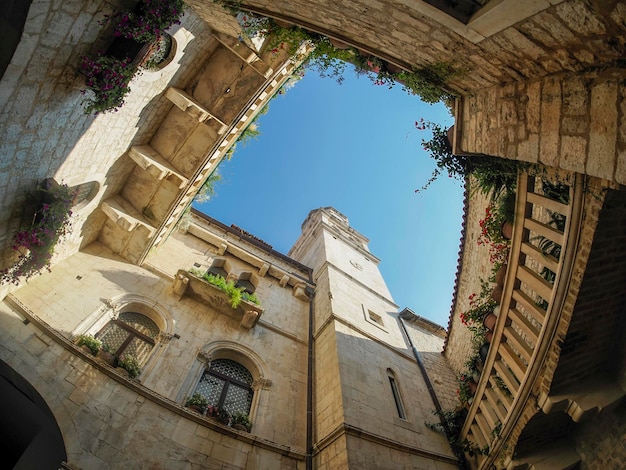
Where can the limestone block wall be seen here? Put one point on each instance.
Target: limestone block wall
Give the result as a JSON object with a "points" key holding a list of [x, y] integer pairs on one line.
{"points": [[567, 121], [367, 397], [81, 283], [109, 424], [541, 39], [43, 129], [283, 310], [474, 265], [429, 346]]}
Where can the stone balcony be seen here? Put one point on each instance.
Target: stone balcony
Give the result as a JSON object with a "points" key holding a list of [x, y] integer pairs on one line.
{"points": [[188, 284]]}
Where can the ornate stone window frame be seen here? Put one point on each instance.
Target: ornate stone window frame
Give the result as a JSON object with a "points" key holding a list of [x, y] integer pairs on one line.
{"points": [[238, 353], [110, 310]]}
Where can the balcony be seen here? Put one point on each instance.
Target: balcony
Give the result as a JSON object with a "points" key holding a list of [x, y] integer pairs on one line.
{"points": [[190, 285], [527, 383]]}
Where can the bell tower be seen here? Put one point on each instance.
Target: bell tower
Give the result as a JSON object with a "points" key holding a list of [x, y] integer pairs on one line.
{"points": [[370, 399]]}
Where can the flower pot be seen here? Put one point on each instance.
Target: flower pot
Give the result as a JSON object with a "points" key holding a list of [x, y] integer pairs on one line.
{"points": [[162, 54], [86, 349], [106, 357], [239, 427], [483, 351], [196, 408], [496, 294], [471, 385], [489, 336], [127, 48], [122, 371], [489, 321], [501, 274], [506, 230]]}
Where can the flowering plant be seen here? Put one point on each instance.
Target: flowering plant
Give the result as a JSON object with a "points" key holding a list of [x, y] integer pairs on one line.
{"points": [[467, 387], [36, 244], [491, 236], [479, 309], [108, 80], [148, 21]]}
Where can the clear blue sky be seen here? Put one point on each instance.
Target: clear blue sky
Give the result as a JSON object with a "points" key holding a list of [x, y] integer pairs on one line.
{"points": [[351, 146]]}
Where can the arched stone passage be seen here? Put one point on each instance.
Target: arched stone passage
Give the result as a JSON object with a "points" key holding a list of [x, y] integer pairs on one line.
{"points": [[12, 20], [533, 81], [29, 434]]}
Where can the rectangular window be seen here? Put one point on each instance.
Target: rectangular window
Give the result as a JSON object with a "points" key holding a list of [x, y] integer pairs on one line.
{"points": [[396, 397], [375, 318]]}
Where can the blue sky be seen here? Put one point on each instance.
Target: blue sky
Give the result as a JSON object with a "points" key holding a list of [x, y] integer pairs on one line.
{"points": [[354, 147]]}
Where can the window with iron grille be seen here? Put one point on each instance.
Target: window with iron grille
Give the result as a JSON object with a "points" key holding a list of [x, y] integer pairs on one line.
{"points": [[227, 384], [130, 334]]}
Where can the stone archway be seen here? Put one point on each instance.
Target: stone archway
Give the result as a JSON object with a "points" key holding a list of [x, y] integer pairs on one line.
{"points": [[30, 435], [532, 82]]}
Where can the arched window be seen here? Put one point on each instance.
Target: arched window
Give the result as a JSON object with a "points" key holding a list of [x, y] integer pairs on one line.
{"points": [[227, 384], [131, 333], [395, 391]]}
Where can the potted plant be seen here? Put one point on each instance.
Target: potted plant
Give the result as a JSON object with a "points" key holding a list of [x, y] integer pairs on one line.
{"points": [[91, 344], [212, 411], [130, 364], [106, 356], [223, 415], [108, 82], [138, 36], [197, 403], [50, 222], [241, 421], [467, 388]]}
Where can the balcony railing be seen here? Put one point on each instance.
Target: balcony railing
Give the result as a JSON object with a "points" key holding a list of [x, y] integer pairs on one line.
{"points": [[540, 263]]}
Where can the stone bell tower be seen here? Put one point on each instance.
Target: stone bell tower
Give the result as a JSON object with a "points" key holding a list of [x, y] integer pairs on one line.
{"points": [[370, 400]]}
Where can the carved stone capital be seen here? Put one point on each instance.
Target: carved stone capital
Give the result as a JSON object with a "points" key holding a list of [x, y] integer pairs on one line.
{"points": [[204, 358], [164, 337], [261, 383]]}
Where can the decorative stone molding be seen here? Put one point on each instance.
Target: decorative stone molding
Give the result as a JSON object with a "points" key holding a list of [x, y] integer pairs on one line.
{"points": [[261, 384], [300, 292], [204, 358], [263, 269], [185, 102], [164, 337]]}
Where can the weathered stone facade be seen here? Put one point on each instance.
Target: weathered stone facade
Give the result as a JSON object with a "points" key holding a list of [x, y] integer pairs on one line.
{"points": [[538, 81], [103, 416]]}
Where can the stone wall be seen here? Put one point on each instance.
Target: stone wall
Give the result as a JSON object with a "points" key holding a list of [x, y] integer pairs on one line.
{"points": [[547, 38], [107, 423], [88, 289], [43, 129], [567, 121], [474, 266]]}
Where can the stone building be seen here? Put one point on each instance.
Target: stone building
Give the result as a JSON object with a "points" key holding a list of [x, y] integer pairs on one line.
{"points": [[539, 81], [320, 363]]}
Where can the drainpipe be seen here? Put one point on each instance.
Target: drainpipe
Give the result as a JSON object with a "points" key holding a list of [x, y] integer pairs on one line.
{"points": [[422, 369], [309, 392]]}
